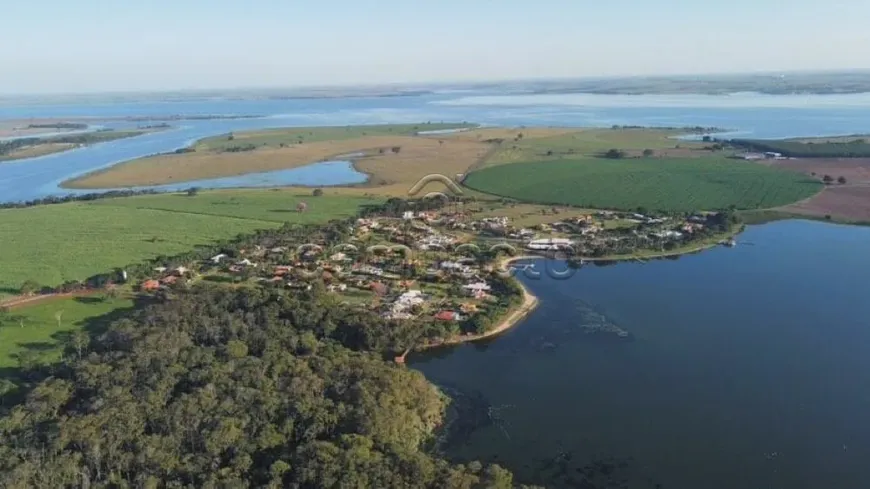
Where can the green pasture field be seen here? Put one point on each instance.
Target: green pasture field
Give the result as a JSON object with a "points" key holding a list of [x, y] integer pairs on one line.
{"points": [[44, 328], [660, 184], [590, 143], [295, 135], [55, 243]]}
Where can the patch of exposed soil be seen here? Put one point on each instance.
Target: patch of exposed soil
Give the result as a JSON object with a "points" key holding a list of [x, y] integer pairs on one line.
{"points": [[855, 170], [849, 201]]}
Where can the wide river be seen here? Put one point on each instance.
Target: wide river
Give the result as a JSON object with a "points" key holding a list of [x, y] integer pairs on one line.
{"points": [[748, 367]]}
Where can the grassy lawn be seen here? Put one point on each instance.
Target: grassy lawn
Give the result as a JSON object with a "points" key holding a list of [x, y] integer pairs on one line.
{"points": [[37, 328], [55, 243], [663, 184]]}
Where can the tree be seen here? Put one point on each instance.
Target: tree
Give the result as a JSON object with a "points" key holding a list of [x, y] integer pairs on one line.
{"points": [[317, 192], [648, 152], [841, 180], [397, 149], [231, 137], [614, 154], [828, 179], [29, 287], [192, 191]]}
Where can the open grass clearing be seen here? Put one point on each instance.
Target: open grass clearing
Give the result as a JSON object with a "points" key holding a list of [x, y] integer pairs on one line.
{"points": [[670, 185], [44, 329]]}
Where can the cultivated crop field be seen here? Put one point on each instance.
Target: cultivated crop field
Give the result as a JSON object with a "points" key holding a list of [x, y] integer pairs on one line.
{"points": [[670, 185], [55, 243], [579, 143]]}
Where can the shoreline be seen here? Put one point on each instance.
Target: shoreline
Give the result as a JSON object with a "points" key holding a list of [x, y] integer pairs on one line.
{"points": [[531, 301]]}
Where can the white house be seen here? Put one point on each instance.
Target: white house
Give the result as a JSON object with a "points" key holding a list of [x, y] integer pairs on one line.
{"points": [[549, 244], [668, 234], [217, 258], [475, 289]]}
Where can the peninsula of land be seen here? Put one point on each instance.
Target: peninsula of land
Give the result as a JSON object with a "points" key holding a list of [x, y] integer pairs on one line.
{"points": [[31, 147]]}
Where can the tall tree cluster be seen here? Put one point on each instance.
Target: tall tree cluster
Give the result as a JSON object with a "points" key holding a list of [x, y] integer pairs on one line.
{"points": [[232, 388]]}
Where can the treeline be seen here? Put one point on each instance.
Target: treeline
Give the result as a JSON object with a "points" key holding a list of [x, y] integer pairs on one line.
{"points": [[858, 148], [59, 125], [7, 147], [217, 387], [241, 148], [12, 145], [62, 199], [687, 129], [396, 207]]}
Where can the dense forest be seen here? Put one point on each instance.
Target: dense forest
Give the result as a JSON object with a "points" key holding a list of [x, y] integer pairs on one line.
{"points": [[220, 387]]}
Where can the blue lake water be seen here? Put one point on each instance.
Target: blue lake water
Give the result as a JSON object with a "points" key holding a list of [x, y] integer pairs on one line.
{"points": [[749, 115], [749, 368]]}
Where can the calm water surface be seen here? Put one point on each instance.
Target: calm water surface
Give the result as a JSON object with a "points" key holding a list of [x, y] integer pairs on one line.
{"points": [[749, 368]]}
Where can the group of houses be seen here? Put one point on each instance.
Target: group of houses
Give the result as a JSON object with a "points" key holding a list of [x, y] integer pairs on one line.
{"points": [[411, 266]]}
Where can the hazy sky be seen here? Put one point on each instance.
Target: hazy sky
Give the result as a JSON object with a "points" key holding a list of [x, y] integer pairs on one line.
{"points": [[97, 45]]}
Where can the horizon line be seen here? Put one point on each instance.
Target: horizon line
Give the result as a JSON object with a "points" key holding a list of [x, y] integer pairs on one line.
{"points": [[434, 83]]}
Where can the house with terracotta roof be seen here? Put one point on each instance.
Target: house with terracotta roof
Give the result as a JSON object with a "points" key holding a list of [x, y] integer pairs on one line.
{"points": [[150, 285], [448, 316]]}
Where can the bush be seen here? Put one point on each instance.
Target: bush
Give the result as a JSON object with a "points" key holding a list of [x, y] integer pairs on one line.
{"points": [[317, 192], [29, 287], [614, 154]]}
